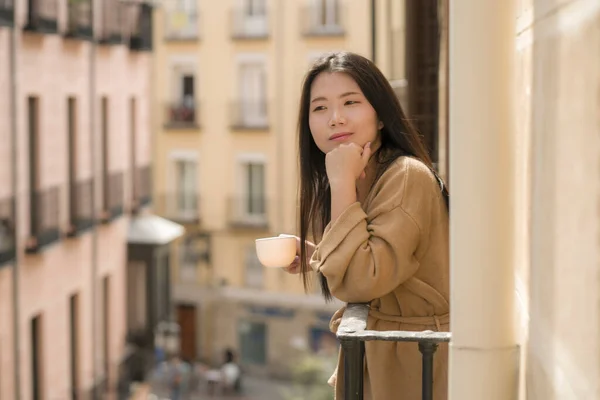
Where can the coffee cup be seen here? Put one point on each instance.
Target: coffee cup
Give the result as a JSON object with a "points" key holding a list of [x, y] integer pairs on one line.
{"points": [[277, 251]]}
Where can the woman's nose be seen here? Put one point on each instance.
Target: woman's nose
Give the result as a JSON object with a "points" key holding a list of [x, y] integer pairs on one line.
{"points": [[337, 118]]}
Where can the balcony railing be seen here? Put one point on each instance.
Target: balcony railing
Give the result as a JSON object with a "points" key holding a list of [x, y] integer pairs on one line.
{"points": [[7, 16], [182, 115], [141, 36], [7, 230], [249, 114], [248, 212], [81, 215], [180, 206], [142, 187], [113, 197], [319, 21], [181, 24], [42, 16], [113, 18], [80, 19], [352, 335], [248, 26], [44, 219]]}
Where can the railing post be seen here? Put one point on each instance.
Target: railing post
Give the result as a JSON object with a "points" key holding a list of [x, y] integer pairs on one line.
{"points": [[427, 350], [354, 353]]}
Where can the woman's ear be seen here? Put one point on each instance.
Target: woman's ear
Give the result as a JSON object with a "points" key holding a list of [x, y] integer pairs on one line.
{"points": [[380, 125]]}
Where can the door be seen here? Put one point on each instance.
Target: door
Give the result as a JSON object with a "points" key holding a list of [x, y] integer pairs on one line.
{"points": [[186, 317]]}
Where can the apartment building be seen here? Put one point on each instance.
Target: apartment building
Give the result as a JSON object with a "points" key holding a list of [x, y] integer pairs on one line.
{"points": [[75, 156]]}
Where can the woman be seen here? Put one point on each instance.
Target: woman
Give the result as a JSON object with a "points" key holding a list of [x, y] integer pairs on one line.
{"points": [[370, 198]]}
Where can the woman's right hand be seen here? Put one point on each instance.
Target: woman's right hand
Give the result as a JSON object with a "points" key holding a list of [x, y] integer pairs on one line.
{"points": [[295, 267]]}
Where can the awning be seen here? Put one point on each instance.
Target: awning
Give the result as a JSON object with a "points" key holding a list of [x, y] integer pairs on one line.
{"points": [[153, 230]]}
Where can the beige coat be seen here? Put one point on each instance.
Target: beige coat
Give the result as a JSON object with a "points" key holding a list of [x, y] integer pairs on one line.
{"points": [[392, 252]]}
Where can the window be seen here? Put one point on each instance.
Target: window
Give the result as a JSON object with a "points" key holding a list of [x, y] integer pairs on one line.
{"points": [[253, 108], [254, 270], [255, 189], [188, 265], [72, 156], [184, 200], [34, 159], [327, 12], [104, 132], [253, 342], [254, 8]]}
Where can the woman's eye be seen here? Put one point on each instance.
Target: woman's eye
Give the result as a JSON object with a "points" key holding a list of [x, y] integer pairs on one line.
{"points": [[319, 108], [350, 102]]}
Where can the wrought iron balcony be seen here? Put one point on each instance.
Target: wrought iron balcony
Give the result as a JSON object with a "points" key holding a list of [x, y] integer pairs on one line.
{"points": [[142, 187], [7, 230], [182, 115], [7, 9], [141, 36], [248, 212], [44, 217], [323, 20], [249, 115], [113, 18], [182, 24], [42, 16], [352, 335], [81, 216], [181, 206], [80, 19], [248, 25], [113, 199]]}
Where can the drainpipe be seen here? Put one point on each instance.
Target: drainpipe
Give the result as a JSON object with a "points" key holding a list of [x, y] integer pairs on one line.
{"points": [[484, 351], [279, 43], [15, 187], [373, 31]]}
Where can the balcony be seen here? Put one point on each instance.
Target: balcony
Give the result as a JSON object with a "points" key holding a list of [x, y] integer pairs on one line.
{"points": [[181, 25], [113, 197], [141, 36], [182, 115], [249, 115], [142, 187], [7, 8], [323, 21], [42, 16], [245, 25], [79, 22], [352, 334], [111, 28], [182, 207], [7, 230], [248, 212], [81, 216], [44, 219]]}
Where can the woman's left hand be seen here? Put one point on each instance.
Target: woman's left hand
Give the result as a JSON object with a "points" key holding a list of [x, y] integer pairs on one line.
{"points": [[346, 163]]}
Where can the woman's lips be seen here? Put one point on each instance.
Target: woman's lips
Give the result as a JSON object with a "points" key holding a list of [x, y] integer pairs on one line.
{"points": [[340, 136]]}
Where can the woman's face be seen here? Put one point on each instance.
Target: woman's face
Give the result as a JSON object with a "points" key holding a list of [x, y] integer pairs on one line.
{"points": [[340, 113]]}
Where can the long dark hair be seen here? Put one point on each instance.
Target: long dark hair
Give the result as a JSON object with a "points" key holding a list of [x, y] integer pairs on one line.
{"points": [[398, 138]]}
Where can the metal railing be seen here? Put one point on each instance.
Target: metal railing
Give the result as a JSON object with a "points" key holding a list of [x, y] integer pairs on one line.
{"points": [[113, 196], [248, 26], [182, 114], [42, 16], [7, 8], [250, 114], [319, 21], [112, 24], [44, 218], [182, 24], [80, 19], [81, 215], [180, 206], [7, 229], [352, 334], [248, 212], [141, 35]]}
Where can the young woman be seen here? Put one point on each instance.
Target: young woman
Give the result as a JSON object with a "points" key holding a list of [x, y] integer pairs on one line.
{"points": [[379, 213]]}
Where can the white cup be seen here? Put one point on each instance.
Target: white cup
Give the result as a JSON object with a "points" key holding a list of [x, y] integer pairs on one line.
{"points": [[275, 252]]}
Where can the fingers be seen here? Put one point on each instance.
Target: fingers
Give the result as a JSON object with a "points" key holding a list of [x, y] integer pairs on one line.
{"points": [[366, 154]]}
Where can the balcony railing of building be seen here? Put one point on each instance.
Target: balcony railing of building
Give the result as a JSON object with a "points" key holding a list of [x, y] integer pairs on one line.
{"points": [[141, 36], [249, 115], [180, 206], [323, 20], [182, 24], [248, 212], [42, 16], [113, 196], [112, 23], [44, 219], [182, 114], [142, 187], [7, 9], [352, 334], [79, 20], [246, 24], [7, 230], [81, 216]]}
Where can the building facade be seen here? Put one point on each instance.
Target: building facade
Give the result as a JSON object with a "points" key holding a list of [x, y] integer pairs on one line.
{"points": [[74, 166]]}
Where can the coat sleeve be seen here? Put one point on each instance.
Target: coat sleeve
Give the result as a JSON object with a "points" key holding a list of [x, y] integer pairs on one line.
{"points": [[364, 259]]}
